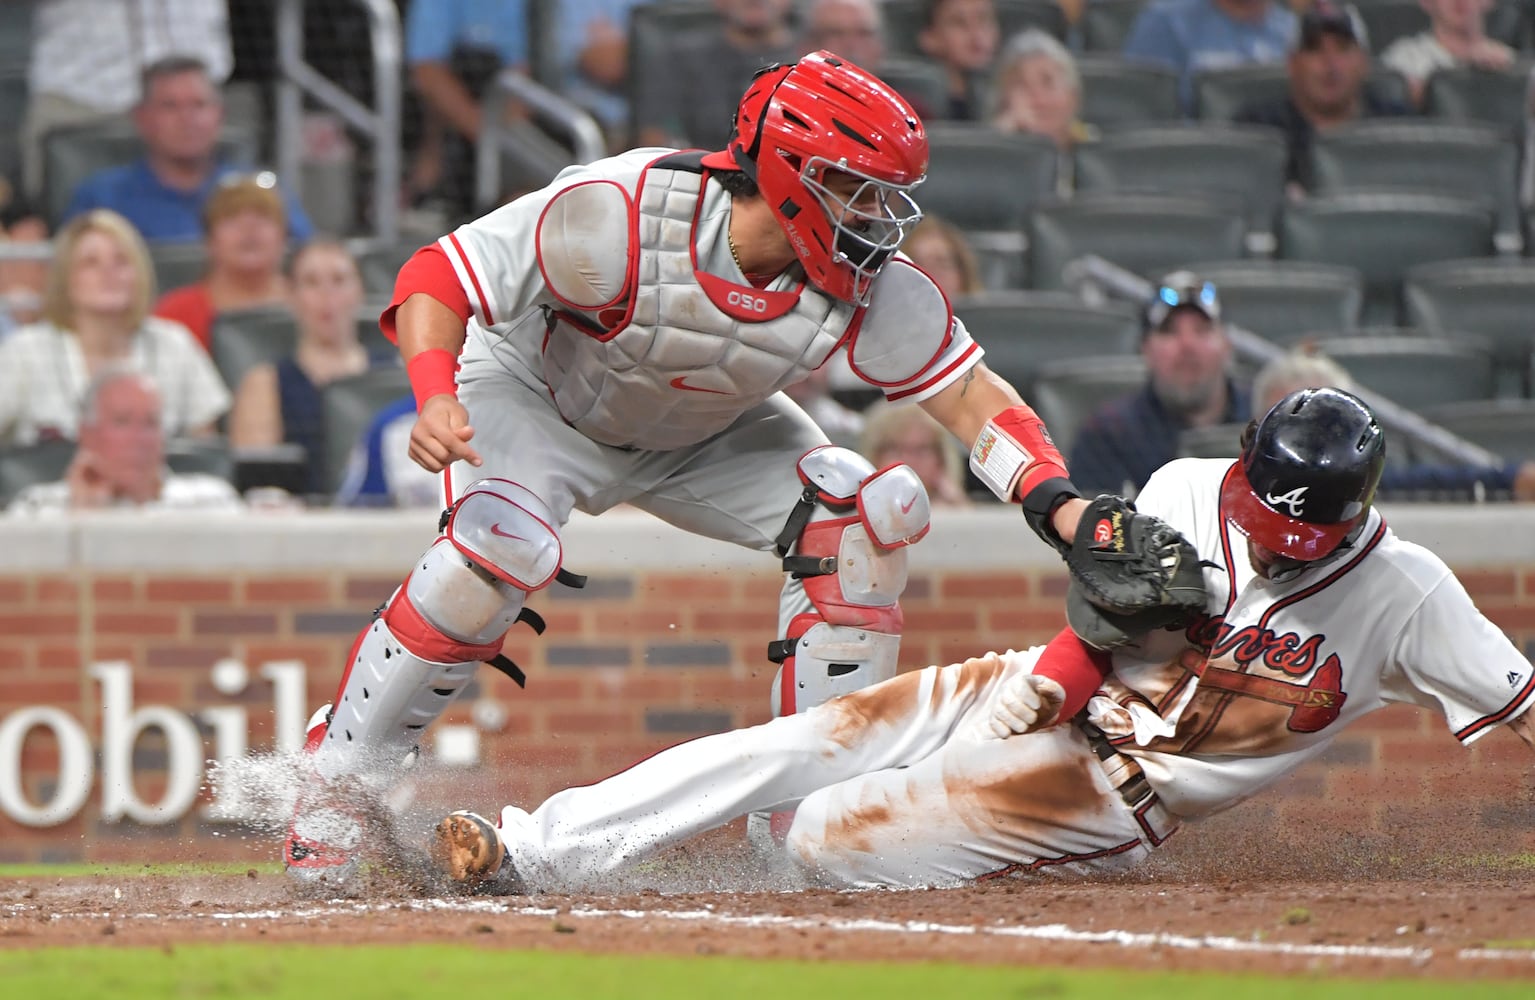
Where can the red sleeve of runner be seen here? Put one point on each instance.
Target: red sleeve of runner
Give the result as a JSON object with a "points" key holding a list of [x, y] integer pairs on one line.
{"points": [[428, 271], [1076, 666]]}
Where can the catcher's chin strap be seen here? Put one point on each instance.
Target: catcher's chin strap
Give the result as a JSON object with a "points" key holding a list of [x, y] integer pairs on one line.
{"points": [[525, 615]]}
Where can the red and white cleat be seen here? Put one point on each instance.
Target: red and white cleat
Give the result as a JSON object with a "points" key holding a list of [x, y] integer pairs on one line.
{"points": [[324, 836]]}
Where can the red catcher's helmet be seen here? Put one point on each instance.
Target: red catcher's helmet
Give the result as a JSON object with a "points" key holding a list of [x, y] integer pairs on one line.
{"points": [[822, 114]]}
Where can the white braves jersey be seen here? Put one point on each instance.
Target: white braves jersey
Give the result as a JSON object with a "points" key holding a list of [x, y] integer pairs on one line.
{"points": [[1278, 669], [615, 290]]}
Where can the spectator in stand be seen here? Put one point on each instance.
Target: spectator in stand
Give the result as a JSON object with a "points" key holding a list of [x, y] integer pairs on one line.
{"points": [[380, 472], [961, 36], [1327, 71], [1194, 35], [855, 30], [23, 277], [1186, 352], [454, 48], [88, 57], [1039, 90], [96, 315], [247, 229], [1303, 370], [120, 459], [939, 248], [902, 432], [281, 402], [1456, 36], [594, 58], [694, 102], [163, 193]]}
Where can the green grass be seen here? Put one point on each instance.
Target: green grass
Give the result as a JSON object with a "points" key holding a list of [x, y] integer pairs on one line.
{"points": [[417, 971], [124, 869]]}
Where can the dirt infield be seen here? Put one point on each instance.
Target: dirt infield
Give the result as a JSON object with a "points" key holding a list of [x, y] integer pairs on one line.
{"points": [[1227, 898]]}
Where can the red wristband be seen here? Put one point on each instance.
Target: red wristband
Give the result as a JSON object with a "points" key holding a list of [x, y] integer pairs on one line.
{"points": [[1076, 666], [432, 373]]}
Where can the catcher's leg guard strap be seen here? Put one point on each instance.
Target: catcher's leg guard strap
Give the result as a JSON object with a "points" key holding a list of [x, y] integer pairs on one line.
{"points": [[850, 553]]}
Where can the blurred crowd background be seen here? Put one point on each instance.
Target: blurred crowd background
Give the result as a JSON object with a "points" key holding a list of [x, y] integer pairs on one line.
{"points": [[203, 205]]}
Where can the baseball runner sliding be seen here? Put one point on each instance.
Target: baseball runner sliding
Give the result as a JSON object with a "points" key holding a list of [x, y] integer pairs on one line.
{"points": [[1070, 757], [622, 336]]}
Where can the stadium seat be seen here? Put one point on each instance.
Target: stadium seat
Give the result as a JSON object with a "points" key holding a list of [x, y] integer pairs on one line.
{"points": [[348, 406], [1493, 300], [379, 264], [1383, 236], [1513, 24], [1286, 300], [1214, 441], [243, 338], [1417, 371], [209, 456], [1105, 24], [903, 21], [651, 27], [13, 113], [1479, 95], [1220, 93], [1503, 426], [1387, 20], [1147, 234], [1118, 91], [72, 154], [1459, 159], [921, 83], [178, 264], [1244, 163], [1023, 330], [38, 463], [1066, 392], [980, 179]]}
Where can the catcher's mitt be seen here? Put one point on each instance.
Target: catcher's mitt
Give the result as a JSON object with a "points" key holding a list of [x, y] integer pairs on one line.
{"points": [[1106, 630], [1126, 562]]}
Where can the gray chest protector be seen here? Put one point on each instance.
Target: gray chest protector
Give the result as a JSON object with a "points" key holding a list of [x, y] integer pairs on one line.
{"points": [[693, 351]]}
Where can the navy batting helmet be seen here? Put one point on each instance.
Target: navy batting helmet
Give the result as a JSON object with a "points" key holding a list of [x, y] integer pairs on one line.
{"points": [[1307, 474]]}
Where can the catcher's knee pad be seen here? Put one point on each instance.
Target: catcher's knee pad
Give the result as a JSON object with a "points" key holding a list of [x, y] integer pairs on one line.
{"points": [[846, 540], [451, 614]]}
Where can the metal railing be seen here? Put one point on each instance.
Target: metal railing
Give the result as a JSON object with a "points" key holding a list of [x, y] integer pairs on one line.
{"points": [[380, 124], [1096, 279], [497, 140]]}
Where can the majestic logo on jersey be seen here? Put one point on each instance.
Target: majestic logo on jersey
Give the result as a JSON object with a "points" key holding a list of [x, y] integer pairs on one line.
{"points": [[1514, 677], [1293, 499]]}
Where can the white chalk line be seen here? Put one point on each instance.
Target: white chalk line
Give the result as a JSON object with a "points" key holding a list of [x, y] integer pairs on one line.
{"points": [[1040, 932]]}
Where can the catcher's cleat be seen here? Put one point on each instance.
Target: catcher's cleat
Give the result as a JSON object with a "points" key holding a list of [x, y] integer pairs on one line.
{"points": [[325, 835], [468, 849]]}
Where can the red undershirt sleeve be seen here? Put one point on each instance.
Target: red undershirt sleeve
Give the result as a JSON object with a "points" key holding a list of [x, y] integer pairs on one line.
{"points": [[429, 272], [1076, 666]]}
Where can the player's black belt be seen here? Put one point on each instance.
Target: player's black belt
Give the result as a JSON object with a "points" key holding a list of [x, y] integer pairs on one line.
{"points": [[1130, 780]]}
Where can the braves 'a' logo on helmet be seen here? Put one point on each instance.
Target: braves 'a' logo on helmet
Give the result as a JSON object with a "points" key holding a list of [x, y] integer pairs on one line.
{"points": [[1295, 500]]}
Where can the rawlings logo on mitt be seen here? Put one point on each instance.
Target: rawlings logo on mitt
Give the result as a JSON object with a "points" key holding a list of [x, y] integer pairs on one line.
{"points": [[1127, 563]]}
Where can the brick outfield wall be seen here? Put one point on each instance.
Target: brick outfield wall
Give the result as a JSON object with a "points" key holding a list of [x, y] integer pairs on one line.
{"points": [[633, 663]]}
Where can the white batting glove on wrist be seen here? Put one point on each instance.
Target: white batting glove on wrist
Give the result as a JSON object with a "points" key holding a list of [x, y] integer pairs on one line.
{"points": [[1024, 704]]}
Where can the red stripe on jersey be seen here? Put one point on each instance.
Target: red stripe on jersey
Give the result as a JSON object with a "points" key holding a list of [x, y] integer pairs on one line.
{"points": [[428, 272], [1501, 715], [968, 353], [474, 279]]}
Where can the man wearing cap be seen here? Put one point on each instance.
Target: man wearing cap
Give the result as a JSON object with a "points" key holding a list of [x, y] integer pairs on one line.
{"points": [[1327, 68], [1186, 352]]}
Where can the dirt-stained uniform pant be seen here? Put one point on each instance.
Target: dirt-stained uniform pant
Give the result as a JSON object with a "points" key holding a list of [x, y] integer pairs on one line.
{"points": [[898, 784]]}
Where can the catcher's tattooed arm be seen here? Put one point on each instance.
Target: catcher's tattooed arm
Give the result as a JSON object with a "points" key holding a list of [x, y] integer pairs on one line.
{"points": [[964, 408]]}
